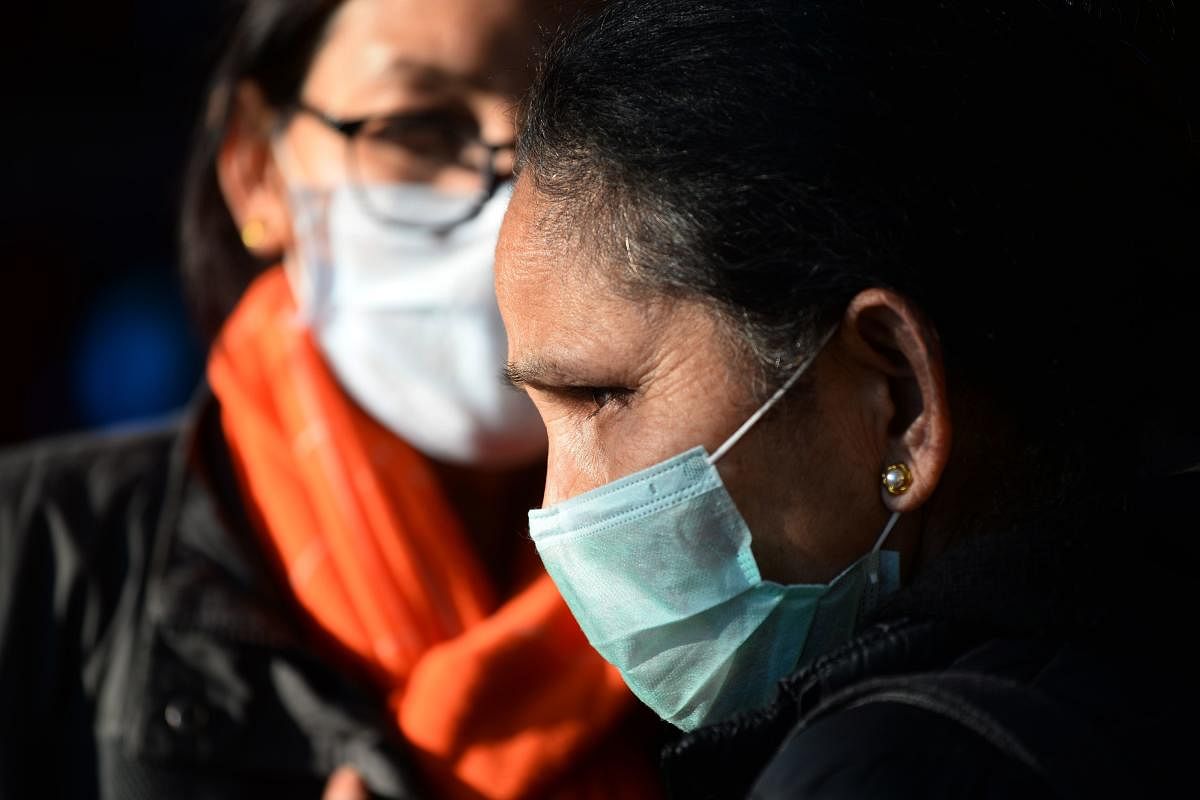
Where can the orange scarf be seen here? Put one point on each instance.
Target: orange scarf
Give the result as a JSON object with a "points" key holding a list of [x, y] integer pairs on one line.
{"points": [[498, 700]]}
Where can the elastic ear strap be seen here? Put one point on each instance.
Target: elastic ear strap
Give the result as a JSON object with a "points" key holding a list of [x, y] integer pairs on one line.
{"points": [[887, 530], [775, 398], [293, 270]]}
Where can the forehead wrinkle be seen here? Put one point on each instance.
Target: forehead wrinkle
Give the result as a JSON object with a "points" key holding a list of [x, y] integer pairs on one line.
{"points": [[423, 72], [572, 362]]}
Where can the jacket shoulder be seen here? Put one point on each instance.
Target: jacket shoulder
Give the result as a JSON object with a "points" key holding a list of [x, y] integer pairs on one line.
{"points": [[892, 750], [83, 476], [78, 518], [1009, 718]]}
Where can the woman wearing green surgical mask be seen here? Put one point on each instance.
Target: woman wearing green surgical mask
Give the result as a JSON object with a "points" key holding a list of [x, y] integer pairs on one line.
{"points": [[856, 332]]}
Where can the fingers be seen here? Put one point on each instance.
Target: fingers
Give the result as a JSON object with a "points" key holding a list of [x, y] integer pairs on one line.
{"points": [[345, 784]]}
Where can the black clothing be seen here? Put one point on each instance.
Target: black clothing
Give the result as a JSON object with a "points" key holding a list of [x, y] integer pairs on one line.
{"points": [[1052, 661], [146, 649]]}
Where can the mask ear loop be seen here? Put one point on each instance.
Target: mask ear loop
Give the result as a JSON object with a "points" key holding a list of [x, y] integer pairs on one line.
{"points": [[775, 398], [721, 451], [309, 275], [873, 574]]}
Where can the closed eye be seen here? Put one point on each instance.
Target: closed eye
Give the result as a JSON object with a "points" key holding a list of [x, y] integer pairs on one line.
{"points": [[597, 398], [550, 378]]}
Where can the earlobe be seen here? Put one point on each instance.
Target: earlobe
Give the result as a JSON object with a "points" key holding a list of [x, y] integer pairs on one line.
{"points": [[890, 338], [246, 174]]}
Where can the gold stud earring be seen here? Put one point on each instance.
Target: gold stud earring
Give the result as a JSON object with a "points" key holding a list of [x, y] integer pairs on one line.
{"points": [[896, 479], [254, 234]]}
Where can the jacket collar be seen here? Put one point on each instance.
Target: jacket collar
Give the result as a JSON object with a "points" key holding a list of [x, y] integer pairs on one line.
{"points": [[208, 572]]}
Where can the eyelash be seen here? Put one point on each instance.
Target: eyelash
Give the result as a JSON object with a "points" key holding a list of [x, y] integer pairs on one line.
{"points": [[601, 397]]}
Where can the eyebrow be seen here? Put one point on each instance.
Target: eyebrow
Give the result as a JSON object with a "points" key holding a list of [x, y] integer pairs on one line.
{"points": [[540, 373], [427, 75]]}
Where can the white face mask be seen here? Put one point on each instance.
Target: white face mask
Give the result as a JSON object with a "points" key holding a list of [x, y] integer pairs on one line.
{"points": [[408, 321]]}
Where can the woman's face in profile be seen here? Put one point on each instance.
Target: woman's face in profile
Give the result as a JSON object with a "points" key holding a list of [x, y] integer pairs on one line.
{"points": [[623, 382]]}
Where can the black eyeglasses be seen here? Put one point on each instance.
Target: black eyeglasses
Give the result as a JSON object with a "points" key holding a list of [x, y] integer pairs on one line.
{"points": [[435, 148]]}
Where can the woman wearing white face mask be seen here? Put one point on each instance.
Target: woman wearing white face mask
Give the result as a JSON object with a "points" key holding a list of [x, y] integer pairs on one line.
{"points": [[324, 566]]}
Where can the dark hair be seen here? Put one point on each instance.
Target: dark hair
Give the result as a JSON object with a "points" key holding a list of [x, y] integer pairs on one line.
{"points": [[1021, 170], [272, 43]]}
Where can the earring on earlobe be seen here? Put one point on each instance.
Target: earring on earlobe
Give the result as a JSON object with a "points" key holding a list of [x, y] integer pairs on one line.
{"points": [[896, 479], [254, 234]]}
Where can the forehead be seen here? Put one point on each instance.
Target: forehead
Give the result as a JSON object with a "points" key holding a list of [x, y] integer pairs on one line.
{"points": [[555, 287], [480, 43], [538, 242], [564, 304]]}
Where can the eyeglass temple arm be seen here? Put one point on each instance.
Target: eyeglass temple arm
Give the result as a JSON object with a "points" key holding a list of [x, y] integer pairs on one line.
{"points": [[346, 127]]}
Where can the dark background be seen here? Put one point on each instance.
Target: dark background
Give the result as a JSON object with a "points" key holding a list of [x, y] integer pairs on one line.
{"points": [[99, 104]]}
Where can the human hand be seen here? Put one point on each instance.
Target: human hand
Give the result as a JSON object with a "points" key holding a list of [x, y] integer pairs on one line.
{"points": [[345, 784]]}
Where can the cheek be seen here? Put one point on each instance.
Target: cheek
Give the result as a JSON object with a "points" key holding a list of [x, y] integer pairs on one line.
{"points": [[312, 155], [496, 125], [585, 454], [807, 486]]}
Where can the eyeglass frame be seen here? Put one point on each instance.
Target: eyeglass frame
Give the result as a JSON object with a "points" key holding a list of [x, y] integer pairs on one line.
{"points": [[350, 128]]}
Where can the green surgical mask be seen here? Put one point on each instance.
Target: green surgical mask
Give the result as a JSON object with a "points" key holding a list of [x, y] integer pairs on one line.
{"points": [[657, 568]]}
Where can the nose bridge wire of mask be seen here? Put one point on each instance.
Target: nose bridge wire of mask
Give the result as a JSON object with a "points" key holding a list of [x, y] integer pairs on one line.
{"points": [[723, 450]]}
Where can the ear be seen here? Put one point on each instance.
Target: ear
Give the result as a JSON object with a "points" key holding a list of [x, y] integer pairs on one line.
{"points": [[888, 336], [254, 190]]}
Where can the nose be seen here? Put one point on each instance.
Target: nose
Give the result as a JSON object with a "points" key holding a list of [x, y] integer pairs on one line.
{"points": [[552, 492], [498, 129], [571, 471], [504, 159], [563, 476]]}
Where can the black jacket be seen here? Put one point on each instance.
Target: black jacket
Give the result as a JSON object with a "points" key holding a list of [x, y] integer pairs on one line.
{"points": [[145, 651], [1051, 661]]}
